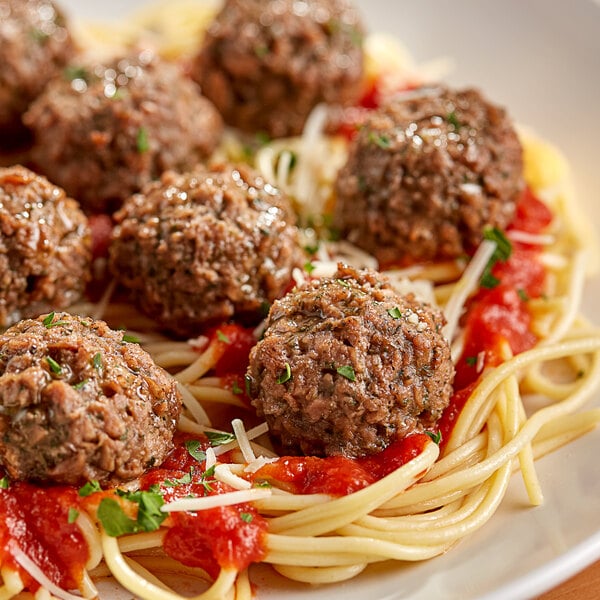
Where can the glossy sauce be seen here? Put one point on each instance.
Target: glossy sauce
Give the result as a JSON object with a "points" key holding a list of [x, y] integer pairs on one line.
{"points": [[222, 537], [337, 475], [501, 314], [37, 519]]}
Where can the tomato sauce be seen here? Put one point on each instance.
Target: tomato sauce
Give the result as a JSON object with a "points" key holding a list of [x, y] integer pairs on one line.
{"points": [[337, 475], [37, 520], [222, 537], [500, 315]]}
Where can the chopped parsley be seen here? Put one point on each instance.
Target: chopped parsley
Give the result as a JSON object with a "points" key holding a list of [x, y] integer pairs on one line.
{"points": [[193, 448], [49, 321], [218, 438], [97, 361], [142, 142], [149, 517], [54, 366], [471, 361], [208, 478], [236, 389], [435, 436], [453, 120], [73, 514], [501, 253], [246, 517], [286, 374], [309, 267], [4, 483], [347, 371], [380, 139], [132, 339], [80, 385], [89, 488], [523, 295], [394, 313], [222, 337], [187, 478]]}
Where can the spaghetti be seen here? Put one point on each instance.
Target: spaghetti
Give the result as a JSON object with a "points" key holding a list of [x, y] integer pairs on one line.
{"points": [[224, 501]]}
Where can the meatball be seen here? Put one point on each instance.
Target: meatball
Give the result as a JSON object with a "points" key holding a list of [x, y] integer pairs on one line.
{"points": [[35, 45], [204, 246], [266, 65], [45, 246], [78, 402], [104, 131], [425, 176], [347, 365]]}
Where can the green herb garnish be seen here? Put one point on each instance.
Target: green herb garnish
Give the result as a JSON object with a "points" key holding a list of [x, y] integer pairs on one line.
{"points": [[90, 488], [193, 448], [218, 438], [380, 139], [49, 321], [246, 517], [347, 371], [97, 361], [394, 313], [54, 366], [435, 436], [142, 143], [73, 514], [453, 120], [286, 374], [132, 339], [149, 518], [222, 337], [4, 483], [501, 253]]}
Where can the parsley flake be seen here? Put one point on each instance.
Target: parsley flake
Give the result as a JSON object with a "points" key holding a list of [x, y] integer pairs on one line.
{"points": [[80, 385], [89, 488], [49, 321], [222, 337], [236, 389], [347, 371], [286, 374], [471, 361], [193, 448], [73, 514], [132, 339], [453, 120], [246, 517], [435, 436], [4, 483], [501, 253], [218, 438], [187, 478], [380, 139], [54, 366], [97, 361], [394, 313], [142, 143]]}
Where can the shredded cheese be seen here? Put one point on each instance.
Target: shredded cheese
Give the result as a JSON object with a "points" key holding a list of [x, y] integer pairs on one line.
{"points": [[206, 502]]}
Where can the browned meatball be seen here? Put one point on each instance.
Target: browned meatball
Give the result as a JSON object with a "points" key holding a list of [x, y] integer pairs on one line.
{"points": [[204, 246], [104, 131], [35, 45], [427, 174], [266, 65], [45, 246], [347, 365], [78, 402]]}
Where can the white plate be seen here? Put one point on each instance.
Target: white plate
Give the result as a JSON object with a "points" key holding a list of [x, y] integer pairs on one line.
{"points": [[540, 59]]}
